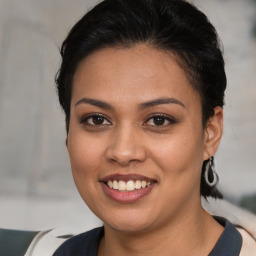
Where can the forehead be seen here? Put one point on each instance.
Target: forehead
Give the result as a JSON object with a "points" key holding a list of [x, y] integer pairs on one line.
{"points": [[140, 72]]}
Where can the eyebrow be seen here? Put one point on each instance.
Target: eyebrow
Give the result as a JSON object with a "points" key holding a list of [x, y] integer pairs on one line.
{"points": [[142, 106], [94, 102], [160, 101]]}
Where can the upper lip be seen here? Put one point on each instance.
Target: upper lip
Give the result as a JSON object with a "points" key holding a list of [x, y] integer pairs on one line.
{"points": [[126, 177]]}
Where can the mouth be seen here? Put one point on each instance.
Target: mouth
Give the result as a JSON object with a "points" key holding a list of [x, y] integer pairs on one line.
{"points": [[130, 185], [127, 188]]}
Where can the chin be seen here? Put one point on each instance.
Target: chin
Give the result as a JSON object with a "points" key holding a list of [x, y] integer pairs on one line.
{"points": [[128, 221], [127, 227]]}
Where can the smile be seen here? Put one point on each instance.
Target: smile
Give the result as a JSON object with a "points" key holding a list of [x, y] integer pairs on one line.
{"points": [[127, 188], [130, 185]]}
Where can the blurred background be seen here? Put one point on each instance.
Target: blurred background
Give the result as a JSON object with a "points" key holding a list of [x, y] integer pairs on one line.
{"points": [[36, 186]]}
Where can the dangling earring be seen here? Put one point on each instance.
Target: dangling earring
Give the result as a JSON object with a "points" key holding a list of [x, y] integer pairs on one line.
{"points": [[210, 173]]}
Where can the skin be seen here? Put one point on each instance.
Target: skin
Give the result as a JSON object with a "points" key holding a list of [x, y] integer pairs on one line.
{"points": [[170, 218]]}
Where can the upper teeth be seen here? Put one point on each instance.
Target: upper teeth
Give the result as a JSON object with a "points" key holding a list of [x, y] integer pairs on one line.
{"points": [[127, 186]]}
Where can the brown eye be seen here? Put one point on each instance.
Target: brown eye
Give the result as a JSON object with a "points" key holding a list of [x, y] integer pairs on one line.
{"points": [[160, 120], [95, 120]]}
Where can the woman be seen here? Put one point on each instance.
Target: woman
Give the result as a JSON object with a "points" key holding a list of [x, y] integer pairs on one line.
{"points": [[142, 85]]}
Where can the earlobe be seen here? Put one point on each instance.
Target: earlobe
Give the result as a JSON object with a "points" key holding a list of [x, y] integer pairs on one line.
{"points": [[213, 133]]}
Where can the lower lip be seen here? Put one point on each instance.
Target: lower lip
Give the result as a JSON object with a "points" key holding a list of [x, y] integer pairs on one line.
{"points": [[129, 196]]}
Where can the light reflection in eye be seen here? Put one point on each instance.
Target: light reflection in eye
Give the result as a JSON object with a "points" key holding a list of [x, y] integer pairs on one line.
{"points": [[160, 120], [95, 120]]}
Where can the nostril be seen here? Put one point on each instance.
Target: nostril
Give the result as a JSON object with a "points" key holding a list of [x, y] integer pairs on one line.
{"points": [[126, 154]]}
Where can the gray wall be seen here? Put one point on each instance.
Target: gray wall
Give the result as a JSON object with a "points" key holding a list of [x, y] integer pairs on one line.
{"points": [[34, 168]]}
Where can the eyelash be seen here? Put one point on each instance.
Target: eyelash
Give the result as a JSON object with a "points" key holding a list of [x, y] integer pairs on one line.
{"points": [[167, 118], [170, 120], [86, 118]]}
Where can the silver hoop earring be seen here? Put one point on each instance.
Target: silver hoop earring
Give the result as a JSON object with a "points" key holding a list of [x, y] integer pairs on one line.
{"points": [[210, 173]]}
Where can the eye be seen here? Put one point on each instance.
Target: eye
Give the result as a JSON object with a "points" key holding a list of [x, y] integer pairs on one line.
{"points": [[160, 120], [95, 120]]}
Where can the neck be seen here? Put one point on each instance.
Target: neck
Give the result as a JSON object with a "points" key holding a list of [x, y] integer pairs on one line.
{"points": [[190, 234]]}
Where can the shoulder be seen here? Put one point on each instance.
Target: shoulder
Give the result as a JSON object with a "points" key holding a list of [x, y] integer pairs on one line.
{"points": [[236, 215], [80, 244], [230, 241], [248, 245], [16, 242], [45, 243], [244, 221]]}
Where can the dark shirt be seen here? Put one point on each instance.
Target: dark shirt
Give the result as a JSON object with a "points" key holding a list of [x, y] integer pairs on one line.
{"points": [[86, 244]]}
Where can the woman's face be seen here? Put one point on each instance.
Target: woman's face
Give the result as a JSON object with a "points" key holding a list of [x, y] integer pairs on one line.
{"points": [[136, 124]]}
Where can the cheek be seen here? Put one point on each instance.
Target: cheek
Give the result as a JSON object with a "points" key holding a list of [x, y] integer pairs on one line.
{"points": [[85, 158], [177, 151], [180, 162], [85, 154], [180, 158]]}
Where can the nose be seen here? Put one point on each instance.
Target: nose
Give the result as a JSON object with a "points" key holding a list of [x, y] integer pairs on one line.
{"points": [[125, 147]]}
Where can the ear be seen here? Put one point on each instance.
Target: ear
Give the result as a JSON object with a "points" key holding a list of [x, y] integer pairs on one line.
{"points": [[213, 133]]}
